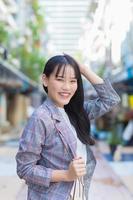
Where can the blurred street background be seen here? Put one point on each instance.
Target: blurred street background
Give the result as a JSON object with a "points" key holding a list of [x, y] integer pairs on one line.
{"points": [[98, 33]]}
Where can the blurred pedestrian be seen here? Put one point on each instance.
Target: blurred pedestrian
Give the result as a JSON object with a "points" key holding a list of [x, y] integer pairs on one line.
{"points": [[54, 156]]}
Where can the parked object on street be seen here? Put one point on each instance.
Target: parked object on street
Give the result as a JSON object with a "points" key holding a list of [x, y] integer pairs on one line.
{"points": [[128, 133]]}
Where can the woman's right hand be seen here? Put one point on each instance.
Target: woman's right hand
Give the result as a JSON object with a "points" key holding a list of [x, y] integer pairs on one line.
{"points": [[77, 169]]}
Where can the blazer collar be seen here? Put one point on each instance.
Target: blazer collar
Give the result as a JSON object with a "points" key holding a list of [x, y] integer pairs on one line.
{"points": [[64, 131], [53, 109]]}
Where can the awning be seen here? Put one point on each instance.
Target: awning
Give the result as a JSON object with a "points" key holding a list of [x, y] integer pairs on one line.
{"points": [[124, 80], [12, 78]]}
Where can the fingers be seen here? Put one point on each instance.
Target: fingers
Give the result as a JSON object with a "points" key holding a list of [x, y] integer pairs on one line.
{"points": [[80, 172], [79, 161], [79, 166]]}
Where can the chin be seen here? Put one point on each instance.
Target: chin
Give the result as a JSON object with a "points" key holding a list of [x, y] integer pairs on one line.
{"points": [[63, 103]]}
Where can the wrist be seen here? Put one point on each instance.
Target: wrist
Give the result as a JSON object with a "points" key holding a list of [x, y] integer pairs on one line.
{"points": [[60, 175], [65, 176]]}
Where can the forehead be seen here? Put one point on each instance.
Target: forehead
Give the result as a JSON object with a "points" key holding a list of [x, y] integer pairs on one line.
{"points": [[65, 70]]}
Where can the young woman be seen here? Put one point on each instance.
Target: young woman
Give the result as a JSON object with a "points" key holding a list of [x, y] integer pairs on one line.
{"points": [[54, 152]]}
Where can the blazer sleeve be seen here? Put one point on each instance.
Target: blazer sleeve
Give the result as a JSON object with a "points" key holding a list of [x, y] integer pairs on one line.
{"points": [[103, 102], [29, 153]]}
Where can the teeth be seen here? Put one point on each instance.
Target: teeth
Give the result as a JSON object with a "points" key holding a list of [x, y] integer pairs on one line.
{"points": [[64, 94]]}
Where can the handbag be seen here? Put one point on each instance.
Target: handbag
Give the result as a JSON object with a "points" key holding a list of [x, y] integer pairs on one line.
{"points": [[78, 192]]}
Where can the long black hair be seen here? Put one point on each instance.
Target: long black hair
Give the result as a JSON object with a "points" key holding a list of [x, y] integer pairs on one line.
{"points": [[75, 108]]}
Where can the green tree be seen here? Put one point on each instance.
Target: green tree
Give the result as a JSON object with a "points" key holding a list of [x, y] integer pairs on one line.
{"points": [[3, 34], [30, 53]]}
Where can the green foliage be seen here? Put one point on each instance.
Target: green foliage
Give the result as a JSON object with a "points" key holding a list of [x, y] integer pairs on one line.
{"points": [[29, 52], [93, 7], [31, 58], [101, 70], [3, 34], [79, 56], [32, 62]]}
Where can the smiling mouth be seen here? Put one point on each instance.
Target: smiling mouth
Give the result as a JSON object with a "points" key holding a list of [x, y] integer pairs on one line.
{"points": [[64, 94]]}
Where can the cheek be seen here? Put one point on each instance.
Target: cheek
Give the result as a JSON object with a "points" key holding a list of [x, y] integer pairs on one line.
{"points": [[75, 88], [54, 85]]}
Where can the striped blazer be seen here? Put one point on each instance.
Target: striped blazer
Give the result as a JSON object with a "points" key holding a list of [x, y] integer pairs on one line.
{"points": [[47, 144]]}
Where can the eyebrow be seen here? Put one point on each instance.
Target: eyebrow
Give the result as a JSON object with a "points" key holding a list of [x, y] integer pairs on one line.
{"points": [[63, 77]]}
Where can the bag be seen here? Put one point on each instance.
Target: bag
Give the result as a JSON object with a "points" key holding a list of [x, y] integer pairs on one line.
{"points": [[78, 192]]}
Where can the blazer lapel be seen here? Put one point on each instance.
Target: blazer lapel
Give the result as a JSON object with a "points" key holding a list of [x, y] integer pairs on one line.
{"points": [[63, 129], [67, 137]]}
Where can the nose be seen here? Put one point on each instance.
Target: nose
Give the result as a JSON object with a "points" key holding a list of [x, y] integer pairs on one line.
{"points": [[66, 86]]}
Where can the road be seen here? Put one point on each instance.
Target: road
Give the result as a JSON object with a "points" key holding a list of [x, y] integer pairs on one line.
{"points": [[10, 184], [104, 181]]}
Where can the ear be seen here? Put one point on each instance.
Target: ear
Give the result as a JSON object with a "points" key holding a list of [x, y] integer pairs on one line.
{"points": [[44, 80]]}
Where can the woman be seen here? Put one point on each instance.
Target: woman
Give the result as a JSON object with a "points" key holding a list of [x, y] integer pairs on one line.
{"points": [[54, 152]]}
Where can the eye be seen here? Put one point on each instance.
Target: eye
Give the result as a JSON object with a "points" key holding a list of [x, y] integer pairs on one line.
{"points": [[74, 81], [59, 79]]}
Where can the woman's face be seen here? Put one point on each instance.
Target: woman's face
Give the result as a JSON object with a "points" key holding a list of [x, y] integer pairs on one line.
{"points": [[62, 87]]}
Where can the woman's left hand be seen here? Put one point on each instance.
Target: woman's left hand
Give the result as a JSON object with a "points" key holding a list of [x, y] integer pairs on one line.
{"points": [[89, 74]]}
